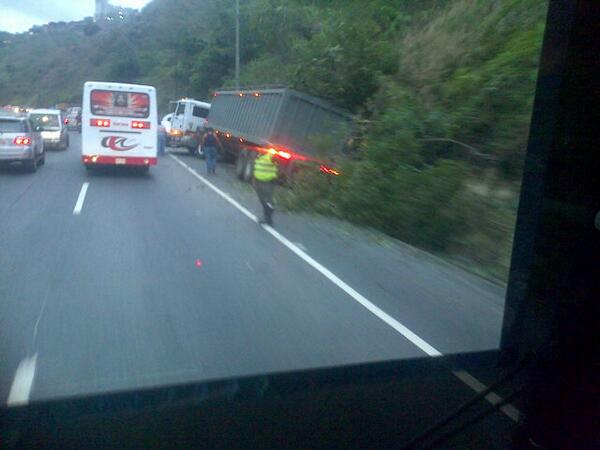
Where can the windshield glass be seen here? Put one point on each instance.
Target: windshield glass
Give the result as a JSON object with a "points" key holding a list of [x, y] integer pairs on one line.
{"points": [[180, 111], [47, 121], [348, 194], [11, 126]]}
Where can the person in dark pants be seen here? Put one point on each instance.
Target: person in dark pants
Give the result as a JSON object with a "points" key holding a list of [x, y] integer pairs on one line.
{"points": [[162, 140], [265, 176], [209, 147]]}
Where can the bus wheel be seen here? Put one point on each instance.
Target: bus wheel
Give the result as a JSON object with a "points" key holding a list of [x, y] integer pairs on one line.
{"points": [[240, 164]]}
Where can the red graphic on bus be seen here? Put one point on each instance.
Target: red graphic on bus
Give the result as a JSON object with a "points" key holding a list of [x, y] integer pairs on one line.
{"points": [[118, 143]]}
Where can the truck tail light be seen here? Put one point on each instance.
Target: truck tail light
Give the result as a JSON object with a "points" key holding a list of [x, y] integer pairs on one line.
{"points": [[329, 170], [22, 140], [281, 153], [140, 125], [100, 123]]}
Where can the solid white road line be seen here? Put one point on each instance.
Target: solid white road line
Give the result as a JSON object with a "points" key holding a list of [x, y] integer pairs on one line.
{"points": [[404, 331], [226, 196], [423, 345], [80, 199], [22, 383], [408, 334]]}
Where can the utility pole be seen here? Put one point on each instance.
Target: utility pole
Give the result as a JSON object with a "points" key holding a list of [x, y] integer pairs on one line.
{"points": [[237, 44]]}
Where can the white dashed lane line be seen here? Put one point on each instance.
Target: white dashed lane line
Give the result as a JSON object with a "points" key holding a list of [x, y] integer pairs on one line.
{"points": [[22, 383], [81, 199]]}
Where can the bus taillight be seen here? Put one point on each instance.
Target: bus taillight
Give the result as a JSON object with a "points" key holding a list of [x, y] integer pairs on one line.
{"points": [[100, 123], [140, 125]]}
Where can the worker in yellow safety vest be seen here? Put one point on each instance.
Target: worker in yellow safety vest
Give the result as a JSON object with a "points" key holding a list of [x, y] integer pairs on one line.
{"points": [[265, 176]]}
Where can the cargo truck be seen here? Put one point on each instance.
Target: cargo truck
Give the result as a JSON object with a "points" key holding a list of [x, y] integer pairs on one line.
{"points": [[300, 129]]}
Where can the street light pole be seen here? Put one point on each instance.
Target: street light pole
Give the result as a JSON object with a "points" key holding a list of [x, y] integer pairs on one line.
{"points": [[237, 44]]}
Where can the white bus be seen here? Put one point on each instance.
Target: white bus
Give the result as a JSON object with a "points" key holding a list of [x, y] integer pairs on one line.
{"points": [[119, 125]]}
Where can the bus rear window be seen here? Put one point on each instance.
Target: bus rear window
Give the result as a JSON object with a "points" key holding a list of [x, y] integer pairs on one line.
{"points": [[120, 104]]}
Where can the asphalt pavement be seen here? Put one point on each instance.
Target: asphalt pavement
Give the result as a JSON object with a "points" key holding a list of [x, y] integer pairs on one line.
{"points": [[159, 279]]}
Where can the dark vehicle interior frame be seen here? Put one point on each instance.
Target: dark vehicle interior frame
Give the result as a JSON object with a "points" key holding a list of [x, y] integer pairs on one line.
{"points": [[546, 370]]}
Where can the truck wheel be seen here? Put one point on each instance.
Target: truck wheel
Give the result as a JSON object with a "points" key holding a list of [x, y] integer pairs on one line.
{"points": [[289, 172], [249, 168], [240, 164]]}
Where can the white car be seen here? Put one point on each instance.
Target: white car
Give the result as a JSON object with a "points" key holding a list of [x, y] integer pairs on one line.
{"points": [[55, 132]]}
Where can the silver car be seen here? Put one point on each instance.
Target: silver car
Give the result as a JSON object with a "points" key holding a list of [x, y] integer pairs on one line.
{"points": [[21, 142], [55, 133], [74, 119]]}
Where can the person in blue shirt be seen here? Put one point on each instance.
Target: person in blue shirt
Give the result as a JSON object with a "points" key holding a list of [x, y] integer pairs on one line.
{"points": [[209, 147]]}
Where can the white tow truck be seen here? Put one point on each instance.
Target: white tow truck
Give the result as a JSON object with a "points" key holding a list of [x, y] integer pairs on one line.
{"points": [[187, 123]]}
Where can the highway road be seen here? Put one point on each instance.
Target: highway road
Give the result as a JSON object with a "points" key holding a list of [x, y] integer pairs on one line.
{"points": [[162, 278]]}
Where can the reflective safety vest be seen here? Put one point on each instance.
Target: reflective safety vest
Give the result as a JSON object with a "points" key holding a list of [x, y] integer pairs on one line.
{"points": [[264, 168]]}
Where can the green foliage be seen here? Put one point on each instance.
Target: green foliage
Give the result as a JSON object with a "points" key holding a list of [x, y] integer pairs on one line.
{"points": [[439, 156], [343, 61]]}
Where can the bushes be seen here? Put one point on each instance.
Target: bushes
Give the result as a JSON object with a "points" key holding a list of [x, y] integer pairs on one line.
{"points": [[440, 155], [415, 206]]}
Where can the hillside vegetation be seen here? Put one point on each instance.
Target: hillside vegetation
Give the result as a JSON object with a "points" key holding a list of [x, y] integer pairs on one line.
{"points": [[442, 92]]}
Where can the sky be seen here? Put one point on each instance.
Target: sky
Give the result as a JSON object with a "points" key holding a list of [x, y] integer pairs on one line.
{"points": [[20, 15]]}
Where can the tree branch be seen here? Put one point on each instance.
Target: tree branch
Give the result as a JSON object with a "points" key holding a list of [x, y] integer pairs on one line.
{"points": [[472, 150]]}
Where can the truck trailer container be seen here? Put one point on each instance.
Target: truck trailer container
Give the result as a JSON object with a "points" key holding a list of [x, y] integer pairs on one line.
{"points": [[298, 127]]}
